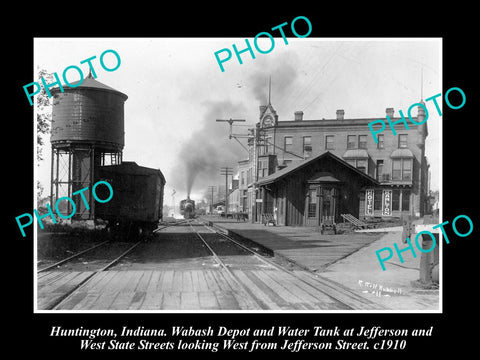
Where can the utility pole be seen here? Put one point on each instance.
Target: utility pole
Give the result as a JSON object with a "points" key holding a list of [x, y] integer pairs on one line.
{"points": [[231, 121], [231, 134], [211, 188], [252, 135], [226, 171]]}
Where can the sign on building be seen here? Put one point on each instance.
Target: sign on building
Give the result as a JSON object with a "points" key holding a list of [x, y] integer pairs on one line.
{"points": [[369, 198], [387, 203]]}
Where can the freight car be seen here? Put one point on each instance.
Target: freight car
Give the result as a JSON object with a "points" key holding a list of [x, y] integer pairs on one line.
{"points": [[187, 208], [137, 203]]}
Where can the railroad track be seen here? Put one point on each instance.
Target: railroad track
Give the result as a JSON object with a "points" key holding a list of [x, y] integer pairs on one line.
{"points": [[82, 283], [255, 281], [336, 291], [74, 256]]}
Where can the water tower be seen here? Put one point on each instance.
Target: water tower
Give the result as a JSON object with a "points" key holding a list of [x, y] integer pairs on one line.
{"points": [[87, 132]]}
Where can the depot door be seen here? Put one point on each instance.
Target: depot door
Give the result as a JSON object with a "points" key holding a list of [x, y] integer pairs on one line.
{"points": [[320, 203], [327, 202], [311, 206]]}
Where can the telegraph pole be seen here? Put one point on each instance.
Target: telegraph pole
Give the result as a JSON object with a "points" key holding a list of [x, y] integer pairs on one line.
{"points": [[231, 134], [211, 202], [226, 171], [253, 135], [231, 121]]}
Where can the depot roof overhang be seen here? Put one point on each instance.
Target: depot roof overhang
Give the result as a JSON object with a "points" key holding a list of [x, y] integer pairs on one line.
{"points": [[289, 170]]}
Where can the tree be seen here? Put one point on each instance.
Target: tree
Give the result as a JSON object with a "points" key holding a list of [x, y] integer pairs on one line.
{"points": [[40, 189], [44, 112]]}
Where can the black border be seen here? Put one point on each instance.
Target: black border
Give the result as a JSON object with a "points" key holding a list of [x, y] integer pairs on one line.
{"points": [[28, 331]]}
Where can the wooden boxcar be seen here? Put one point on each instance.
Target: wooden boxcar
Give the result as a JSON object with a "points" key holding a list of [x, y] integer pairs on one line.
{"points": [[136, 206]]}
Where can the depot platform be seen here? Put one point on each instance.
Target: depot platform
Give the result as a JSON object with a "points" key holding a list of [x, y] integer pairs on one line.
{"points": [[348, 259]]}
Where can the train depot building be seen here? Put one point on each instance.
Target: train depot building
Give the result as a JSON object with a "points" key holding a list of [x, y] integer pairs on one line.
{"points": [[309, 172]]}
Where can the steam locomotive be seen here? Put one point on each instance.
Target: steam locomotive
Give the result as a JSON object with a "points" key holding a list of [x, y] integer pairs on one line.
{"points": [[187, 208]]}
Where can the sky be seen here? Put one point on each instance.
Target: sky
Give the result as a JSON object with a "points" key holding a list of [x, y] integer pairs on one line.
{"points": [[176, 91]]}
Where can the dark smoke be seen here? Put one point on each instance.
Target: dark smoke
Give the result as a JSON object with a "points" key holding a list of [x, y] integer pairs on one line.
{"points": [[209, 149], [283, 74]]}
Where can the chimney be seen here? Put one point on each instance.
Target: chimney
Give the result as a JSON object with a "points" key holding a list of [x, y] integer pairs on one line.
{"points": [[340, 114], [389, 112], [298, 115]]}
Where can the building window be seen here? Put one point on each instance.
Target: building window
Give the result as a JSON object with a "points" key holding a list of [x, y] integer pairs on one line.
{"points": [[377, 200], [407, 169], [329, 142], [312, 203], [402, 169], [405, 200], [261, 149], [242, 179], [362, 165], [379, 170], [362, 141], [288, 142], [307, 146], [381, 141], [403, 141], [262, 168], [351, 142], [397, 169], [395, 200]]}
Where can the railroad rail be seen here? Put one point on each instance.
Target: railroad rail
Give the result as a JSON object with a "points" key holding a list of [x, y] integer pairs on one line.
{"points": [[250, 297], [254, 280], [72, 291], [329, 287], [61, 262]]}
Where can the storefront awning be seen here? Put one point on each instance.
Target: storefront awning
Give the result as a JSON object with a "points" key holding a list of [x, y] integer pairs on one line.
{"points": [[356, 154], [401, 153]]}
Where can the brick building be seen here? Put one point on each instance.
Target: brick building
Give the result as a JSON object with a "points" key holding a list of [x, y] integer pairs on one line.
{"points": [[395, 169]]}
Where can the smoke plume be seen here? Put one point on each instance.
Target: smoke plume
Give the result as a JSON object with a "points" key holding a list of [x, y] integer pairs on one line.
{"points": [[282, 77], [209, 149]]}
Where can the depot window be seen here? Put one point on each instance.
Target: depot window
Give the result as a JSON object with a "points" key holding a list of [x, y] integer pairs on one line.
{"points": [[312, 203]]}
